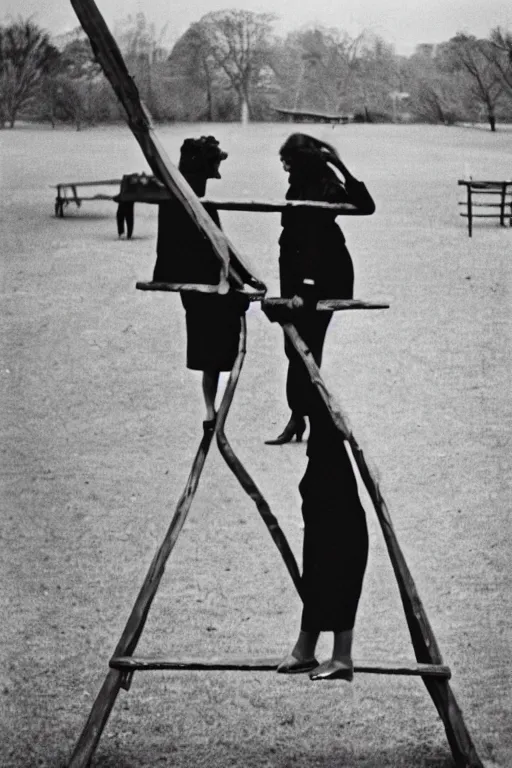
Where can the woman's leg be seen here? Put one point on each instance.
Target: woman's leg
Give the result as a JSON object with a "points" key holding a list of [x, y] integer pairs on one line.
{"points": [[340, 665], [312, 328], [120, 219], [210, 387], [335, 544], [129, 216], [302, 657]]}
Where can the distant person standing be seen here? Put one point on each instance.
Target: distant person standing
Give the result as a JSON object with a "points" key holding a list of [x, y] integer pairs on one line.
{"points": [[125, 215], [314, 261]]}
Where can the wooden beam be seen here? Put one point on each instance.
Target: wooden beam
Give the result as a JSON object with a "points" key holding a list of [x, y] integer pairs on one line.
{"points": [[271, 303], [104, 182], [424, 642], [105, 700], [109, 57], [323, 305], [263, 507], [264, 664], [277, 206]]}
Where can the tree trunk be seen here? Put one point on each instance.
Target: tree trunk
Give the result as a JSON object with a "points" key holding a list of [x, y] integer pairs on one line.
{"points": [[209, 103], [209, 94], [244, 112], [492, 121]]}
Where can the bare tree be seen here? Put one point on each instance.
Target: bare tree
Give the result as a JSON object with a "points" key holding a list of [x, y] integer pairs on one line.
{"points": [[467, 55], [315, 68], [376, 75], [193, 60], [238, 45], [26, 55], [499, 54], [436, 91], [144, 53]]}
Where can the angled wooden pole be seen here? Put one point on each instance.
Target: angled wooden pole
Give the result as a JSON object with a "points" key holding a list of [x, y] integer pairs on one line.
{"points": [[262, 505], [109, 57], [236, 465], [117, 678], [424, 642]]}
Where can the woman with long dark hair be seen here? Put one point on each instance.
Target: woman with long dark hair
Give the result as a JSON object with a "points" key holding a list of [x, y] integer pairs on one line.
{"points": [[314, 261], [315, 264]]}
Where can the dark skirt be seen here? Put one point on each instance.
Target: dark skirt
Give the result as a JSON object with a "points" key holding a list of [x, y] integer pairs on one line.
{"points": [[213, 330], [335, 549]]}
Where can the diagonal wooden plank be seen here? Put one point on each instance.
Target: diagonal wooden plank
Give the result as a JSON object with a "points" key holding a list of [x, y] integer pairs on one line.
{"points": [[423, 639], [109, 57], [114, 681]]}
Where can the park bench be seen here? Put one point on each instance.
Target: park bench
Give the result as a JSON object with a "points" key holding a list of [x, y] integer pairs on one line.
{"points": [[70, 192], [492, 198], [134, 187]]}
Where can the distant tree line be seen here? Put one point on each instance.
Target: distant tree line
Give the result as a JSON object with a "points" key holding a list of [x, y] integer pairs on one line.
{"points": [[230, 66]]}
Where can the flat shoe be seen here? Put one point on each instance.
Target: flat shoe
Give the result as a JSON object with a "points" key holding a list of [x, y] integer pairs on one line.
{"points": [[333, 670], [293, 666]]}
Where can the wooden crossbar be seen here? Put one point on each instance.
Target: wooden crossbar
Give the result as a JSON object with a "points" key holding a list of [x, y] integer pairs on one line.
{"points": [[255, 206], [263, 664], [482, 215], [104, 182], [482, 205], [324, 305]]}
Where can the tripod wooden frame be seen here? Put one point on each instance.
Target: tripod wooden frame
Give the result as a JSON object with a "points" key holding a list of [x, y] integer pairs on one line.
{"points": [[429, 664]]}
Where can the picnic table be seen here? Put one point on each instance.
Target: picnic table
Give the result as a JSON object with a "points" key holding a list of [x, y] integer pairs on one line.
{"points": [[70, 192]]}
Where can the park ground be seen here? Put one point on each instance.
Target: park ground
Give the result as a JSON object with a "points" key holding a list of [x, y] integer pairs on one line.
{"points": [[101, 420]]}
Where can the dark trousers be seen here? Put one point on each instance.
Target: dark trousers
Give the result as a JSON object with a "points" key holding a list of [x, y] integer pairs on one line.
{"points": [[312, 327], [125, 214], [335, 549]]}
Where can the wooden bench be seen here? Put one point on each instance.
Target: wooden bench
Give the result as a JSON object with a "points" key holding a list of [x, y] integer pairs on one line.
{"points": [[68, 192], [492, 198]]}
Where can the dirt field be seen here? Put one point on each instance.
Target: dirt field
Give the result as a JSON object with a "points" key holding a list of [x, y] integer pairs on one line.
{"points": [[101, 420]]}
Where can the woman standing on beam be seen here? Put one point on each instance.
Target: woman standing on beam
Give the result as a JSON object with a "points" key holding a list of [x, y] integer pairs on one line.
{"points": [[314, 262], [186, 256]]}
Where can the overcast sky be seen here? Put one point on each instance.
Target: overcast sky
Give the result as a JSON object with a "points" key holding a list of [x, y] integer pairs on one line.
{"points": [[404, 23]]}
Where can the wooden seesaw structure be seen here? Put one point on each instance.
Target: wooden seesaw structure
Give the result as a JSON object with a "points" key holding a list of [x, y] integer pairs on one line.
{"points": [[429, 663]]}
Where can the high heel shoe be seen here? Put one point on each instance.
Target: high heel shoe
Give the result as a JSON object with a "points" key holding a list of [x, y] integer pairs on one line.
{"points": [[295, 428]]}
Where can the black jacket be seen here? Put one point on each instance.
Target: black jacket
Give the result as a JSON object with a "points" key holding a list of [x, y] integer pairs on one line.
{"points": [[312, 246]]}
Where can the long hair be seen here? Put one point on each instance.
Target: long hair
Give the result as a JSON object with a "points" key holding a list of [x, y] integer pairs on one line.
{"points": [[300, 149]]}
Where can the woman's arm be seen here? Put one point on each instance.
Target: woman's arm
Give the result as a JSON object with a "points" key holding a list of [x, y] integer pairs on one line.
{"points": [[356, 192]]}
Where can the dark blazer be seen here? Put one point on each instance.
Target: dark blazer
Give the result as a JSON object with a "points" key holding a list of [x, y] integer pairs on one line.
{"points": [[184, 253], [311, 244]]}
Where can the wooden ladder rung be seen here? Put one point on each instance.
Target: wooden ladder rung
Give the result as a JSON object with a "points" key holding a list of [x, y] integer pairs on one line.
{"points": [[485, 215], [486, 205], [132, 663], [490, 192]]}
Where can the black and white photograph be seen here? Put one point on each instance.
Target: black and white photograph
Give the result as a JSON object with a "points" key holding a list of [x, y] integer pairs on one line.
{"points": [[255, 384]]}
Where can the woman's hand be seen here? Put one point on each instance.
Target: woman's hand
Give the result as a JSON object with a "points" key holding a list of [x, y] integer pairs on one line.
{"points": [[339, 164], [297, 302]]}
